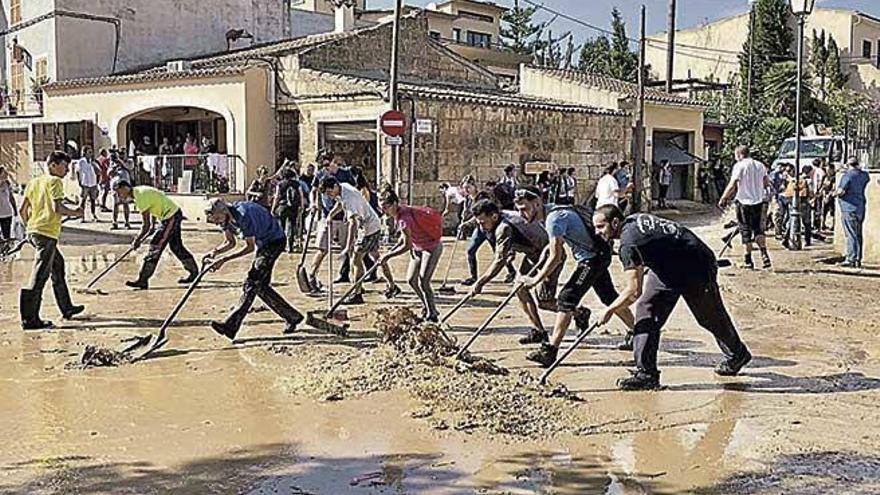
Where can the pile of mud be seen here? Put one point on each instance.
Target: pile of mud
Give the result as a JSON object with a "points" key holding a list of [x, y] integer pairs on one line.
{"points": [[419, 358], [94, 356]]}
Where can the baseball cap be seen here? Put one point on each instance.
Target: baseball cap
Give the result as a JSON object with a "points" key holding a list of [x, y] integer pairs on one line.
{"points": [[216, 205]]}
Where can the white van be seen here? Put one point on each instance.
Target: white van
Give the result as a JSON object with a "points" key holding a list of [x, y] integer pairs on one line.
{"points": [[828, 147]]}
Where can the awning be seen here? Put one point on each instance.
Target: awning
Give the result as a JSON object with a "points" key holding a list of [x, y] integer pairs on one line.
{"points": [[664, 151], [350, 131]]}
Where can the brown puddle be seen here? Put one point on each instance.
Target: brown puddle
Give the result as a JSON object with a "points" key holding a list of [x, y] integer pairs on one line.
{"points": [[206, 417]]}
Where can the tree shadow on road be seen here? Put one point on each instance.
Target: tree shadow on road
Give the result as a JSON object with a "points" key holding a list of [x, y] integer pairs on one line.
{"points": [[814, 473], [768, 382], [280, 468]]}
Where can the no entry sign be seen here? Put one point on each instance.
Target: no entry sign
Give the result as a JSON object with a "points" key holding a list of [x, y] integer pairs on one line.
{"points": [[393, 123]]}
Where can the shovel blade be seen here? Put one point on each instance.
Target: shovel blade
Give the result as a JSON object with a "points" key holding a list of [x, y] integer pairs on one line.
{"points": [[138, 343]]}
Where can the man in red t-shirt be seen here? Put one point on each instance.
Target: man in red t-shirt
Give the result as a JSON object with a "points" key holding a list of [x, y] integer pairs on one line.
{"points": [[421, 234]]}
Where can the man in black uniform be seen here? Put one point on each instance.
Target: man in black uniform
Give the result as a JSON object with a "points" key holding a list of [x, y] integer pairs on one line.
{"points": [[664, 261], [512, 234]]}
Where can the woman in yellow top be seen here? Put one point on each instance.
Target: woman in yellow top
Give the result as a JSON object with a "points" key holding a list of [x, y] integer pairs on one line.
{"points": [[41, 211], [156, 207]]}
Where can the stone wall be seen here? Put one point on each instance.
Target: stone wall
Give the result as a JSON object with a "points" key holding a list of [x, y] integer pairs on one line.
{"points": [[477, 139], [421, 60]]}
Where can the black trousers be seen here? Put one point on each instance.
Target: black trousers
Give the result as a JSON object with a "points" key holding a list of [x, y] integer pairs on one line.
{"points": [[6, 228], [656, 304], [288, 216], [168, 234], [258, 283], [592, 274], [48, 263]]}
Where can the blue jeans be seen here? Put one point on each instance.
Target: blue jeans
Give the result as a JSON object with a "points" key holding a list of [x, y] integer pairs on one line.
{"points": [[852, 227]]}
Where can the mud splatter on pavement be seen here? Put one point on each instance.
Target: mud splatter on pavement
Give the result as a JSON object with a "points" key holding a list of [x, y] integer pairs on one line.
{"points": [[94, 356]]}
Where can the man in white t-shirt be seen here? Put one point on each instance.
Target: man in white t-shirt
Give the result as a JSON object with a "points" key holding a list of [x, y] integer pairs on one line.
{"points": [[87, 175], [748, 183], [608, 190], [362, 220], [453, 196]]}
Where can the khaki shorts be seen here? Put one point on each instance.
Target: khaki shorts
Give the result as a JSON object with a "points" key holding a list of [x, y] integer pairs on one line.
{"points": [[337, 230]]}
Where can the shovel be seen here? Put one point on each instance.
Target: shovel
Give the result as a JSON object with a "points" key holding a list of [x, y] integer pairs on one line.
{"points": [[446, 289], [728, 241], [109, 268], [459, 305], [162, 338], [580, 338], [302, 276], [327, 321]]}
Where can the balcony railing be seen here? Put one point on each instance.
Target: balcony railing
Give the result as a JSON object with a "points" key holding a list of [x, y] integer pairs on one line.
{"points": [[21, 104], [189, 174]]}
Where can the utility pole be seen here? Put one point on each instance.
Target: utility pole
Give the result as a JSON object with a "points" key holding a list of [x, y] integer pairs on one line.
{"points": [[639, 134], [795, 229], [751, 53], [392, 89], [670, 50]]}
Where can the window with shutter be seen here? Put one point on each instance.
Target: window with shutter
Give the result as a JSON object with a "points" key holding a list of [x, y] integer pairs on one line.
{"points": [[14, 11]]}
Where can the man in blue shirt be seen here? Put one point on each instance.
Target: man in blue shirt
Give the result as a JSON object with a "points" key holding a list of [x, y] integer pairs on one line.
{"points": [[570, 226], [261, 232], [851, 197]]}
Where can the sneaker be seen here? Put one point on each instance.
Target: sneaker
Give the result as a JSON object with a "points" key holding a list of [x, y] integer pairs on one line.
{"points": [[37, 325], [137, 284], [223, 330], [545, 356], [748, 263], [354, 299], [535, 336], [392, 292], [291, 325], [767, 263], [847, 264], [469, 282], [316, 284], [640, 380], [510, 278], [582, 318], [342, 280], [73, 311], [627, 344], [731, 367], [188, 279]]}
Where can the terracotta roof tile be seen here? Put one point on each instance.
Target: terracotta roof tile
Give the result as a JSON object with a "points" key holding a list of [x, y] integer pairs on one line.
{"points": [[147, 76], [483, 96]]}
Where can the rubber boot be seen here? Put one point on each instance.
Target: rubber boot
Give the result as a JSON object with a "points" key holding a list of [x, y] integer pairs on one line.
{"points": [[142, 281], [193, 269]]}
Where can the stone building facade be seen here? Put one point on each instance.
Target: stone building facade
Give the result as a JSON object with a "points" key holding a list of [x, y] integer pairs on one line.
{"points": [[294, 98]]}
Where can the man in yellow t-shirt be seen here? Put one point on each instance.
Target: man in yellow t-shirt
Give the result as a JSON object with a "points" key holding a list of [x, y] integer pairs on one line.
{"points": [[41, 211], [156, 207]]}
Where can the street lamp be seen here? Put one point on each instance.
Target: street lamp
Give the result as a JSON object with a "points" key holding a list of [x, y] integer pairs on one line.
{"points": [[801, 9]]}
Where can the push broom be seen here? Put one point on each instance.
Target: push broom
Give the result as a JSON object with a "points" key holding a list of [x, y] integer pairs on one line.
{"points": [[444, 288], [334, 320]]}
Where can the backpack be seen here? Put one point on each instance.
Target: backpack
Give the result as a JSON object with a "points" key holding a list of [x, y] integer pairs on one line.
{"points": [[429, 220]]}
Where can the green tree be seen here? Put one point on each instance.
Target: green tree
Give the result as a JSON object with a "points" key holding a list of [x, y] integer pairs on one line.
{"points": [[623, 62], [769, 134], [837, 79], [519, 33], [819, 61], [596, 56], [772, 39]]}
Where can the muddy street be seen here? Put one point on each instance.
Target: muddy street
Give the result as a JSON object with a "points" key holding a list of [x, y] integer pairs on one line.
{"points": [[313, 413]]}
